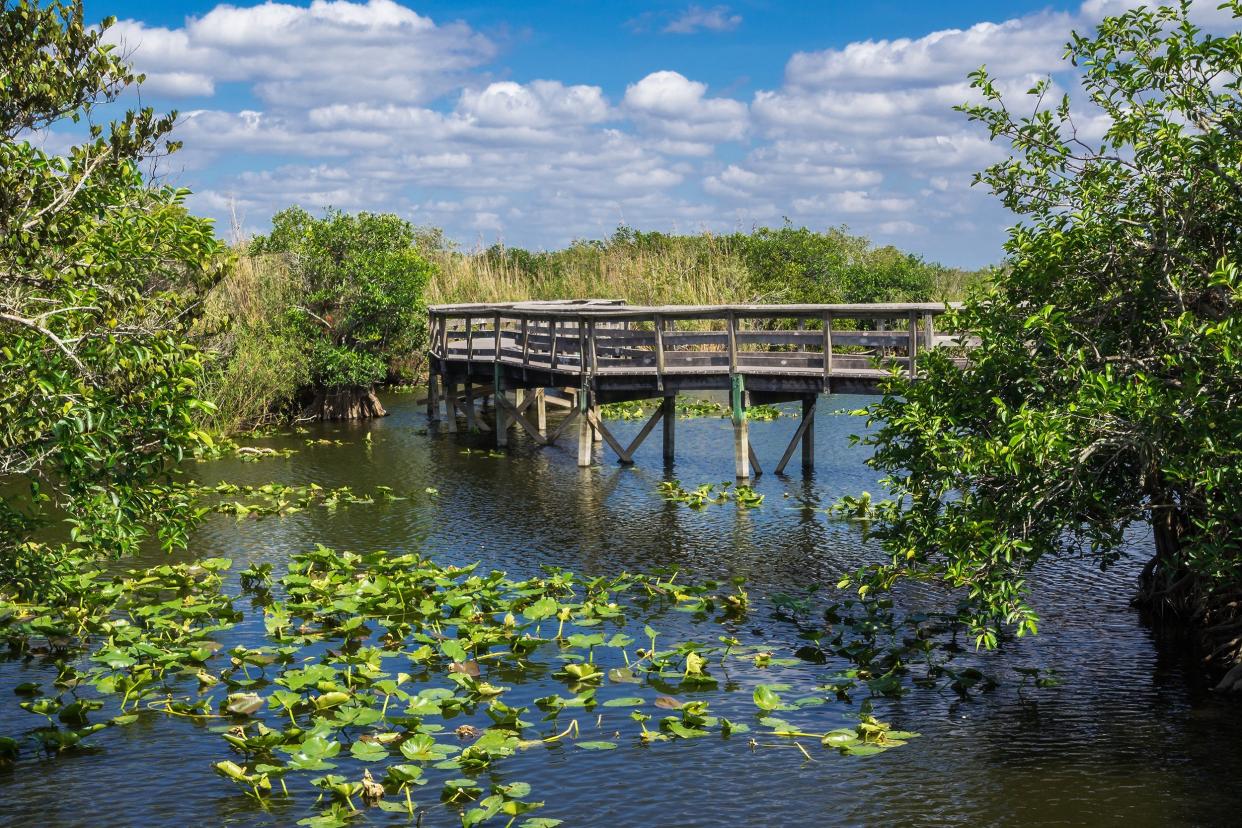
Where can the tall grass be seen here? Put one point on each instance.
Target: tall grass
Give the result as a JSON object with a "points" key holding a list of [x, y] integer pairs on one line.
{"points": [[695, 270], [783, 265], [255, 368]]}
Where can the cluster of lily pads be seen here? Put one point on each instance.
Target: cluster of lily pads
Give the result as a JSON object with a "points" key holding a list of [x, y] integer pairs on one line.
{"points": [[219, 446], [284, 498], [687, 408], [378, 676], [707, 494]]}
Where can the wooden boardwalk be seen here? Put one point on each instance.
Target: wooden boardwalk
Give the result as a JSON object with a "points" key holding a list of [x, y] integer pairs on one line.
{"points": [[585, 353]]}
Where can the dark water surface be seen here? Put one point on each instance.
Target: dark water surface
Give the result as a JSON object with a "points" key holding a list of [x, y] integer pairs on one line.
{"points": [[1130, 738]]}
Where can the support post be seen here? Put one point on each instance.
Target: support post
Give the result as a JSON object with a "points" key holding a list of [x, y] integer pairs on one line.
{"points": [[450, 405], [669, 406], [741, 431], [498, 388], [585, 439], [808, 433], [541, 410], [433, 396], [471, 422]]}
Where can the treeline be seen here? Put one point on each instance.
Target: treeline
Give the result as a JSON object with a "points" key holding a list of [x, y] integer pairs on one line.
{"points": [[317, 312]]}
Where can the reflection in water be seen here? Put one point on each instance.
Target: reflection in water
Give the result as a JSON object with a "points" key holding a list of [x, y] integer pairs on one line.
{"points": [[1127, 739]]}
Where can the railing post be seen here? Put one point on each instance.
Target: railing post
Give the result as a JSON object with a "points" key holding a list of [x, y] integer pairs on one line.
{"points": [[591, 347], [827, 352], [469, 338], [582, 348], [913, 347], [659, 351], [732, 321]]}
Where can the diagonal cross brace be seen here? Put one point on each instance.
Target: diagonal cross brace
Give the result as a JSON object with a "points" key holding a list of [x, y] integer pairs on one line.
{"points": [[808, 417]]}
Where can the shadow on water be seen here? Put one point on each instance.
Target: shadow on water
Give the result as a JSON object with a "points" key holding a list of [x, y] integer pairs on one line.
{"points": [[1129, 738]]}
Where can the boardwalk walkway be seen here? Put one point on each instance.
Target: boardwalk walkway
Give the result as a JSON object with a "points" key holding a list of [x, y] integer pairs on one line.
{"points": [[521, 355]]}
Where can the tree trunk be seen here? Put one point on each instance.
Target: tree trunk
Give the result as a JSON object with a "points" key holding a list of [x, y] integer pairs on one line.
{"points": [[1172, 594], [344, 404]]}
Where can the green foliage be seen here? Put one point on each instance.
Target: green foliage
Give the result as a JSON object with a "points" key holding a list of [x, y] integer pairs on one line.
{"points": [[796, 265], [785, 264], [1106, 384], [97, 273], [373, 674], [362, 281]]}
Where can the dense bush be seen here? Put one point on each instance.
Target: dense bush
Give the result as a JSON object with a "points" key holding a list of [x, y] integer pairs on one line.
{"points": [[100, 270], [319, 311], [1107, 387]]}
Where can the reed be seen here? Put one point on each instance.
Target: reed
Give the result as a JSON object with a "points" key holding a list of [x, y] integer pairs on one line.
{"points": [[680, 270]]}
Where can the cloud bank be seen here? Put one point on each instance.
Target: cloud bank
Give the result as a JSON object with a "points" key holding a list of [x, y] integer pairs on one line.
{"points": [[370, 105]]}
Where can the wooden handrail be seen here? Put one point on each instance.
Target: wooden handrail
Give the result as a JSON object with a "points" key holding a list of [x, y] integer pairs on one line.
{"points": [[532, 335]]}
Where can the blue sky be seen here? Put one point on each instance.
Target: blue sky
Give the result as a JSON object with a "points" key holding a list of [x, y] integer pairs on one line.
{"points": [[539, 122]]}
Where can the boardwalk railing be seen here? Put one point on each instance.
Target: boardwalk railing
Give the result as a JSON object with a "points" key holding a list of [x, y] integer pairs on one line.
{"points": [[608, 351], [597, 339]]}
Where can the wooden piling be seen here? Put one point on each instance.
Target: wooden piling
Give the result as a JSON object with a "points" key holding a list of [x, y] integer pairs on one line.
{"points": [[433, 398], [741, 430], [585, 432], [498, 388], [808, 433], [669, 407], [471, 421], [541, 410], [450, 405]]}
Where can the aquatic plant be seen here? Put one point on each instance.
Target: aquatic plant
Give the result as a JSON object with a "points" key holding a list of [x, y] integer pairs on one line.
{"points": [[367, 659], [707, 494]]}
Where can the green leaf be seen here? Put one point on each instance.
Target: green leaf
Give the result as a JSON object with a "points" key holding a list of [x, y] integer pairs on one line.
{"points": [[766, 698]]}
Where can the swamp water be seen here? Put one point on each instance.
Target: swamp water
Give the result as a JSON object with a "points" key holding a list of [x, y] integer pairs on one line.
{"points": [[1128, 737]]}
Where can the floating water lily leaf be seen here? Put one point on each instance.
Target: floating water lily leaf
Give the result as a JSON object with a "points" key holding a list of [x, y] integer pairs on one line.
{"points": [[840, 738], [597, 745], [453, 650], [622, 675], [468, 668], [405, 774], [679, 729], [541, 609], [766, 698], [243, 704], [541, 822], [423, 748], [862, 749], [626, 701], [668, 703], [368, 751]]}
